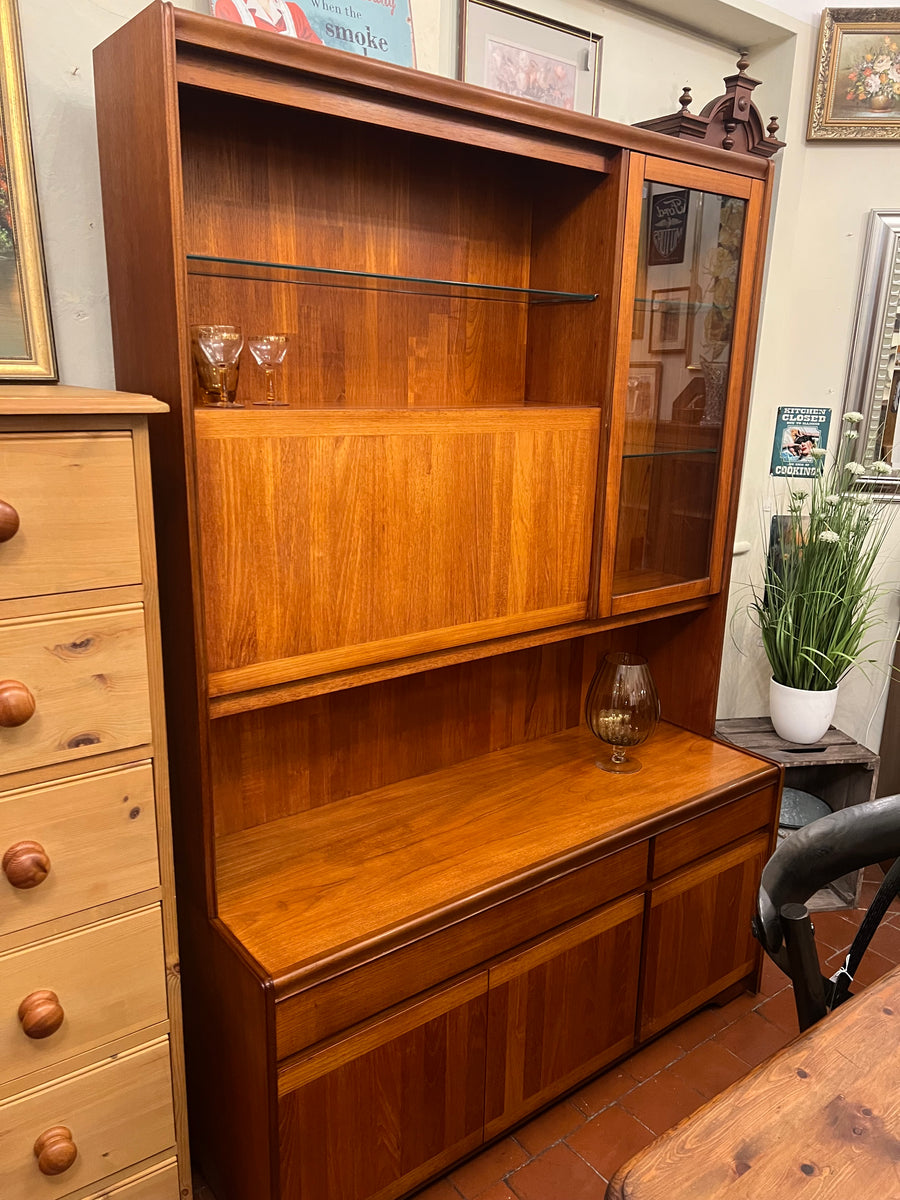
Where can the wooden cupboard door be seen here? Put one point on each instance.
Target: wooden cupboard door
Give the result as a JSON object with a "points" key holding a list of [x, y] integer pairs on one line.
{"points": [[560, 1010], [372, 1116], [680, 392], [333, 540], [698, 939], [74, 495]]}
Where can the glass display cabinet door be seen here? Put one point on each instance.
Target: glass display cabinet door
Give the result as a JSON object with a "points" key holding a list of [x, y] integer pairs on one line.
{"points": [[679, 381]]}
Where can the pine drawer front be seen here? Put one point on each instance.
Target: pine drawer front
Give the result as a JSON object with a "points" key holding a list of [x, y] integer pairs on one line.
{"points": [[75, 992], [95, 834], [87, 673], [75, 499], [118, 1114], [159, 1183]]}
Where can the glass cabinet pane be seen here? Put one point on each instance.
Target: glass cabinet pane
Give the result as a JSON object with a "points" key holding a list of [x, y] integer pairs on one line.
{"points": [[681, 342]]}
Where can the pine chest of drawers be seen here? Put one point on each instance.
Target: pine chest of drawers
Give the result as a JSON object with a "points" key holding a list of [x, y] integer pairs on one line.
{"points": [[91, 1064]]}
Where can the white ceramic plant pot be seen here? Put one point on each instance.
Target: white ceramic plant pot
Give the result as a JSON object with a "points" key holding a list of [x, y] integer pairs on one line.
{"points": [[798, 715]]}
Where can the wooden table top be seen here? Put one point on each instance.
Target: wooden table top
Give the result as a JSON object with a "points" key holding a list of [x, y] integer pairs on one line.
{"points": [[820, 1118]]}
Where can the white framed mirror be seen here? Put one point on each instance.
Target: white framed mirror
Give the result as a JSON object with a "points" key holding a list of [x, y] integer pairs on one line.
{"points": [[873, 375]]}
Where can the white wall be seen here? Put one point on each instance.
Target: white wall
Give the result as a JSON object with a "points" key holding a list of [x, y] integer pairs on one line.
{"points": [[825, 191]]}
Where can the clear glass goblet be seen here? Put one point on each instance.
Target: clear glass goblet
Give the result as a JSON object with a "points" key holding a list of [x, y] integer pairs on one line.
{"points": [[622, 708], [221, 346], [269, 350]]}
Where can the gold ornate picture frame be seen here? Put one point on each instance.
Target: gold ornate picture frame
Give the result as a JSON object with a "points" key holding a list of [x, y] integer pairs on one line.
{"points": [[26, 339], [856, 92]]}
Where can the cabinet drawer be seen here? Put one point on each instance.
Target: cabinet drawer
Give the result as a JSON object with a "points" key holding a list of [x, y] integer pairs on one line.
{"points": [[316, 1013], [118, 1114], [97, 833], [88, 675], [75, 498], [106, 981], [702, 835], [159, 1183]]}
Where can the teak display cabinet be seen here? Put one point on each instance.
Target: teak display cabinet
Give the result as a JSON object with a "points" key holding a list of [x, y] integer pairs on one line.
{"points": [[413, 910]]}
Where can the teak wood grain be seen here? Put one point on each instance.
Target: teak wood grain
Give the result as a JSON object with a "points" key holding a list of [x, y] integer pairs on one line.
{"points": [[354, 871], [682, 969], [821, 1117], [558, 1012], [336, 539], [407, 1095], [75, 497]]}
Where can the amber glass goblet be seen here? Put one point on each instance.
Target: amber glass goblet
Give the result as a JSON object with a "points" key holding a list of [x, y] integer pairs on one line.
{"points": [[269, 350], [219, 347], [622, 708]]}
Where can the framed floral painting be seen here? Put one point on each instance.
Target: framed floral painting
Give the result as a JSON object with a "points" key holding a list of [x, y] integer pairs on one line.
{"points": [[26, 342], [857, 85]]}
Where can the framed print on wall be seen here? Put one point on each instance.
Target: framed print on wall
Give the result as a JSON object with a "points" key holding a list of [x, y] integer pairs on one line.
{"points": [[856, 92], [525, 55], [372, 28], [642, 397], [26, 339], [669, 312]]}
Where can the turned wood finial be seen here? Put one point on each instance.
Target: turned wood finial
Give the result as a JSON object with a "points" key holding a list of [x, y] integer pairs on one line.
{"points": [[743, 62], [772, 127], [685, 98], [55, 1150], [9, 521], [25, 865], [16, 703], [41, 1014]]}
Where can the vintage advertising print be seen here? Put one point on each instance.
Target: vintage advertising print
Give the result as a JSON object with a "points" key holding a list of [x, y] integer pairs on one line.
{"points": [[26, 340], [379, 29], [856, 92], [799, 434]]}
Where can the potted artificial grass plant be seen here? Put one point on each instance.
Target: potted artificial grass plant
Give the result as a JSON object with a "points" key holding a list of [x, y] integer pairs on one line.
{"points": [[816, 607]]}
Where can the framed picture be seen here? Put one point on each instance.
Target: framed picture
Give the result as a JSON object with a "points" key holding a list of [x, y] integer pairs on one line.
{"points": [[372, 28], [669, 313], [26, 339], [642, 397], [856, 93], [529, 56]]}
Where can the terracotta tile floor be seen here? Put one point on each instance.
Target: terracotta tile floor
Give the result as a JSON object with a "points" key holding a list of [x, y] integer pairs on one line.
{"points": [[571, 1150]]}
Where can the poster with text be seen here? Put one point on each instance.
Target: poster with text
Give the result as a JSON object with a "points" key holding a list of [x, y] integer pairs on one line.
{"points": [[798, 432], [374, 28]]}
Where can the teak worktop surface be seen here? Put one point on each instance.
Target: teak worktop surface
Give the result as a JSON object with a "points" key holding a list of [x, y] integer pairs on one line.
{"points": [[323, 884]]}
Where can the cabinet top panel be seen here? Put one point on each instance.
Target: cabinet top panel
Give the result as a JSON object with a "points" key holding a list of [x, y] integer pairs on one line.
{"points": [[216, 54], [58, 400], [390, 865]]}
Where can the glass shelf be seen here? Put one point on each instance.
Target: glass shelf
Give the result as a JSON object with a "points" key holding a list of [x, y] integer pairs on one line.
{"points": [[671, 453], [688, 306], [268, 272]]}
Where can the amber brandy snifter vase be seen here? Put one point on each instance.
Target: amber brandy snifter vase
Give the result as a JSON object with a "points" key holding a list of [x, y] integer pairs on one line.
{"points": [[622, 708]]}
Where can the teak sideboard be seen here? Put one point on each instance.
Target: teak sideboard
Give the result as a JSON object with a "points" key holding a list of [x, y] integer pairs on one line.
{"points": [[412, 908]]}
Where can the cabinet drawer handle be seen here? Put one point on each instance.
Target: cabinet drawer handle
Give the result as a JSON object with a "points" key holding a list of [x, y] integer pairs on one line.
{"points": [[55, 1150], [9, 521], [41, 1014], [26, 864], [16, 703]]}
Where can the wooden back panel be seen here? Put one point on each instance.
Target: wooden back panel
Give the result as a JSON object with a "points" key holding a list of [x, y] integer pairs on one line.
{"points": [[338, 539], [280, 761]]}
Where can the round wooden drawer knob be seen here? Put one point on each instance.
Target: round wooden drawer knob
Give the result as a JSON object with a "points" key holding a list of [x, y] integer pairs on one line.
{"points": [[26, 864], [41, 1014], [16, 703], [9, 521], [55, 1150]]}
